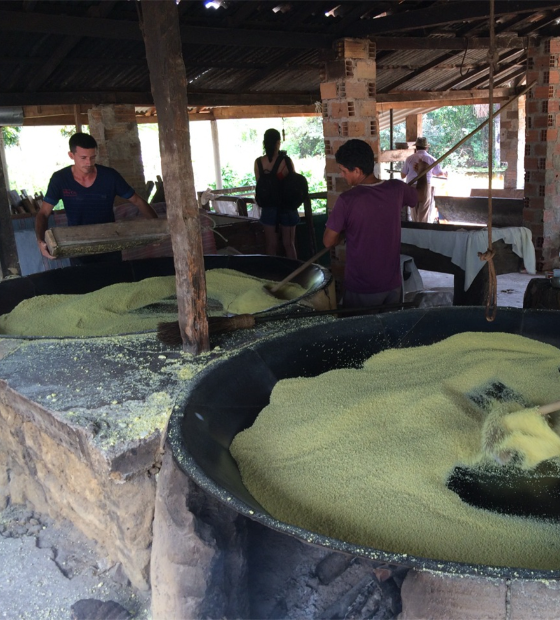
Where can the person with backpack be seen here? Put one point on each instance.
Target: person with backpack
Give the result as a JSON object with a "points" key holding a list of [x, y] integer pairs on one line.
{"points": [[271, 172], [369, 216]]}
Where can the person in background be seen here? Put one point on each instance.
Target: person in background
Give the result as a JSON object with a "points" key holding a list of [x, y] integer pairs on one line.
{"points": [[88, 192], [409, 171], [369, 216], [273, 216]]}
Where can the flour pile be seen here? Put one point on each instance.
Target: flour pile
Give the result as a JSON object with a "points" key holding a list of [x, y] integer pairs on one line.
{"points": [[129, 307], [364, 455]]}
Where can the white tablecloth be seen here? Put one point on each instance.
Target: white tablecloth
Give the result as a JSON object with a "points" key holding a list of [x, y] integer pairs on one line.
{"points": [[463, 246]]}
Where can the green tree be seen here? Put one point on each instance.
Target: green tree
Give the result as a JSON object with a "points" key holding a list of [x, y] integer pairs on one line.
{"points": [[69, 130], [230, 179], [11, 135], [446, 127], [304, 137]]}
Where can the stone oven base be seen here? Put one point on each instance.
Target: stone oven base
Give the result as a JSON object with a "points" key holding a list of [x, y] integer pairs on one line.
{"points": [[210, 562]]}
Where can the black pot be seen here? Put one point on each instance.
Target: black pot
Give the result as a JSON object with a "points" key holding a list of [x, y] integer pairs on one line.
{"points": [[88, 278], [227, 397]]}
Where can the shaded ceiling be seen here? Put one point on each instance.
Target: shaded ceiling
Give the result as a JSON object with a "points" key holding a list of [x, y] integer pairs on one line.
{"points": [[240, 53]]}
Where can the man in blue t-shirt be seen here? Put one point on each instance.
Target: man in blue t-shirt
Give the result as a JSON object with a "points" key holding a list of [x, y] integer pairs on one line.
{"points": [[88, 192]]}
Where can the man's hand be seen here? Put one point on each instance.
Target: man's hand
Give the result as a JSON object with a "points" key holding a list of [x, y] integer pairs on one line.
{"points": [[45, 250], [41, 224]]}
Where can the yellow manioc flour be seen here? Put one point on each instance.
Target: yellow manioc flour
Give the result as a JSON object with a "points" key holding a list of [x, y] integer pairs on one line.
{"points": [[527, 433], [125, 307], [241, 293], [108, 311], [364, 455]]}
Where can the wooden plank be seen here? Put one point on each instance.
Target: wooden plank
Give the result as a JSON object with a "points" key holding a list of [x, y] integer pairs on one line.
{"points": [[396, 155], [67, 241]]}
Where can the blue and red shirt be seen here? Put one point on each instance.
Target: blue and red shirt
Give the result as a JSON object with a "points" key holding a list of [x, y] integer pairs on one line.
{"points": [[88, 205]]}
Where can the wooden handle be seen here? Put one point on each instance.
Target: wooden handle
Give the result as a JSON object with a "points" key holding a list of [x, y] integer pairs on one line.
{"points": [[550, 408], [287, 279]]}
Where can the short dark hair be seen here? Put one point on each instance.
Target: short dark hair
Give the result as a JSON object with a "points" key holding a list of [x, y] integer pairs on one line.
{"points": [[82, 140], [356, 154]]}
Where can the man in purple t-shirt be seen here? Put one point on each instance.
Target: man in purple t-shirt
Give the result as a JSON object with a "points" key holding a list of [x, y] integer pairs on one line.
{"points": [[369, 216], [88, 192]]}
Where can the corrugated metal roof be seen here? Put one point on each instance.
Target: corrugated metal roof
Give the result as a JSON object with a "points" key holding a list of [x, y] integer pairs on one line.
{"points": [[55, 51]]}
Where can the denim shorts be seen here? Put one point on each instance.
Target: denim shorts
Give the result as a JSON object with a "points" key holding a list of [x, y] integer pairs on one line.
{"points": [[270, 216]]}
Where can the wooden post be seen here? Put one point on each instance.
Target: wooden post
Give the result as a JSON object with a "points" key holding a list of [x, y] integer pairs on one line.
{"points": [[413, 127], [77, 119], [216, 150], [9, 263], [160, 28]]}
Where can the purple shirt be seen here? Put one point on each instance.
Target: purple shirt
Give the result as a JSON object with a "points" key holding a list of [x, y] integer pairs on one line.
{"points": [[370, 215]]}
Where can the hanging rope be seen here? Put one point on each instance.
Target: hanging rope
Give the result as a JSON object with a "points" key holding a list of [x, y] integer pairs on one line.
{"points": [[492, 297]]}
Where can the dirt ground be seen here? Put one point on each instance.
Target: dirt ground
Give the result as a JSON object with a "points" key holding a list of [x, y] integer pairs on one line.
{"points": [[46, 569]]}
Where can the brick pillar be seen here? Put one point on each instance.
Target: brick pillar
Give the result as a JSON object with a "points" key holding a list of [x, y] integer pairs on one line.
{"points": [[542, 151], [116, 131], [512, 142], [349, 111]]}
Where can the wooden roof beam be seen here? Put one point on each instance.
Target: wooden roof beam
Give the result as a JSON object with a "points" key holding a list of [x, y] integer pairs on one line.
{"points": [[129, 30], [416, 99], [441, 15], [468, 78], [447, 43], [207, 98], [412, 74], [62, 51]]}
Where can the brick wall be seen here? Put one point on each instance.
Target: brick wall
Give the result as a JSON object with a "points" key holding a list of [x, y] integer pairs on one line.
{"points": [[116, 131], [348, 92], [542, 151]]}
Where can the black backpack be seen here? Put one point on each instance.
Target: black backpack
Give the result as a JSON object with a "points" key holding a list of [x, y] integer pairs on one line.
{"points": [[285, 194], [268, 192], [294, 189]]}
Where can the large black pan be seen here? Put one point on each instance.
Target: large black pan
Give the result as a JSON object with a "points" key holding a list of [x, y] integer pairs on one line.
{"points": [[227, 397], [88, 278]]}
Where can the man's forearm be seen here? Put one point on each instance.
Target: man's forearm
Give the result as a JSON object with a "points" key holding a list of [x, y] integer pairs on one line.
{"points": [[145, 209], [41, 224]]}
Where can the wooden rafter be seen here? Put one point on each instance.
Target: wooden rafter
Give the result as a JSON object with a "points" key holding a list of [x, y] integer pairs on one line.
{"points": [[454, 12]]}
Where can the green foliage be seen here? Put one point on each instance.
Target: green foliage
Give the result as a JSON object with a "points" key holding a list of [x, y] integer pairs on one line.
{"points": [[446, 127], [11, 135], [69, 130], [398, 136], [314, 184], [230, 178], [249, 135], [304, 137]]}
